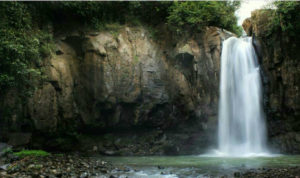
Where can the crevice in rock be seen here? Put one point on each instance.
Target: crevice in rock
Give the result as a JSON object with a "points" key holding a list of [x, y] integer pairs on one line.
{"points": [[76, 43]]}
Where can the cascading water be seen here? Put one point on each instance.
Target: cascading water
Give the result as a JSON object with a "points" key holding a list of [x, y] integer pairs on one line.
{"points": [[241, 119]]}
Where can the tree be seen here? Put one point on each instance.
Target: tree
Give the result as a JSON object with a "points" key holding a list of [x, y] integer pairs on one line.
{"points": [[197, 15]]}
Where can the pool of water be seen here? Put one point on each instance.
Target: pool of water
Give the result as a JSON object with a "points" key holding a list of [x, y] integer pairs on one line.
{"points": [[197, 166]]}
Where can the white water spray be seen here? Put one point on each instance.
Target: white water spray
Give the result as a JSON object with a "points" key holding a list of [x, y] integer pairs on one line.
{"points": [[242, 130]]}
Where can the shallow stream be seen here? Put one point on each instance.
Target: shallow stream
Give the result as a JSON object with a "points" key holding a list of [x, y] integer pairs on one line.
{"points": [[197, 166]]}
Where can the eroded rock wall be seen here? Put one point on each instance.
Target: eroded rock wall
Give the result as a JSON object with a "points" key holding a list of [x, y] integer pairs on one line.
{"points": [[125, 81], [281, 79]]}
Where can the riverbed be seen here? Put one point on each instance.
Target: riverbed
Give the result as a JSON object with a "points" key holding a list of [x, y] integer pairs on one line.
{"points": [[200, 166], [96, 166]]}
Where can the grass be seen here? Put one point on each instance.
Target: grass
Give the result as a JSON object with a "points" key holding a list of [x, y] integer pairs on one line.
{"points": [[25, 153]]}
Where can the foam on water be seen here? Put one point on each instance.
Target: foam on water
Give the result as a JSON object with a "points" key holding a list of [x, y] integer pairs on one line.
{"points": [[217, 153]]}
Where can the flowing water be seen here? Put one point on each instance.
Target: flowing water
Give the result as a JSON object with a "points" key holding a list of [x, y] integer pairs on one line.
{"points": [[196, 166], [241, 118]]}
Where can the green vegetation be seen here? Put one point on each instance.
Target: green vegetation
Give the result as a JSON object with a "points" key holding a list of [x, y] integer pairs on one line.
{"points": [[25, 153], [21, 48], [197, 15], [179, 15], [284, 27], [287, 19]]}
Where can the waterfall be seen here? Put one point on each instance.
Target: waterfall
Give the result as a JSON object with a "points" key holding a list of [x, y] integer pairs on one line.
{"points": [[242, 130]]}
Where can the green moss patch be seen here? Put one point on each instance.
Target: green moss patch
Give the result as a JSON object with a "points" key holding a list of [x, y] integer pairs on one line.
{"points": [[25, 153]]}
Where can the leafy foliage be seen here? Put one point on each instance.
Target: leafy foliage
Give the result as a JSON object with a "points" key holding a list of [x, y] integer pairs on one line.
{"points": [[287, 18], [20, 48], [284, 27], [92, 14], [197, 15], [152, 13], [180, 15]]}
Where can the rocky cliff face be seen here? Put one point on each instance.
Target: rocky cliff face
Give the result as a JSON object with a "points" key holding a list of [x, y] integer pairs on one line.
{"points": [[123, 81], [281, 75]]}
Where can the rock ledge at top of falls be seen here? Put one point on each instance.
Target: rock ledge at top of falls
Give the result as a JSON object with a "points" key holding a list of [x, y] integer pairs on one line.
{"points": [[247, 26], [258, 23]]}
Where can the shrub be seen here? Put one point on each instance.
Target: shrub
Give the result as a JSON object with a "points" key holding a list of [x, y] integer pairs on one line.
{"points": [[21, 48], [284, 27], [287, 18], [197, 15]]}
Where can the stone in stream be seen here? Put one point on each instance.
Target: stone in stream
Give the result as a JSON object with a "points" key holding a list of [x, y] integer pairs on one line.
{"points": [[237, 174], [160, 167], [109, 152], [163, 173], [4, 167]]}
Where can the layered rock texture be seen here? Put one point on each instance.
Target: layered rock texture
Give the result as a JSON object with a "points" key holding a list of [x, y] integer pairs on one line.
{"points": [[129, 84], [281, 78]]}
